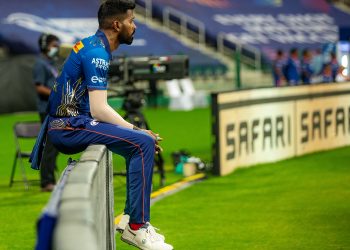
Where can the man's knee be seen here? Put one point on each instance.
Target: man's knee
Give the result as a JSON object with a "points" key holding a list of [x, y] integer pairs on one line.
{"points": [[147, 141]]}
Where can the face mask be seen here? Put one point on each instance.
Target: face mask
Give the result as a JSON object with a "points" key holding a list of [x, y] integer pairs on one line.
{"points": [[53, 52]]}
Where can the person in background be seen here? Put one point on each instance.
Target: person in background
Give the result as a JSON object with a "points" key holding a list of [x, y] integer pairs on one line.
{"points": [[327, 74], [277, 70], [306, 70], [317, 62], [292, 69], [44, 74], [334, 65], [341, 77]]}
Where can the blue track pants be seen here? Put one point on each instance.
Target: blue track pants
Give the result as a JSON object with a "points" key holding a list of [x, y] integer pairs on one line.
{"points": [[75, 134]]}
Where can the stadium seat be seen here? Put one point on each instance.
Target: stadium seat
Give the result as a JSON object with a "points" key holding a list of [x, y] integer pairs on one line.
{"points": [[179, 100], [199, 97], [23, 130]]}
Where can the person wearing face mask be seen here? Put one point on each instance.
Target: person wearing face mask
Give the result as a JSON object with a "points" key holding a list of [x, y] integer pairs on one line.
{"points": [[44, 74]]}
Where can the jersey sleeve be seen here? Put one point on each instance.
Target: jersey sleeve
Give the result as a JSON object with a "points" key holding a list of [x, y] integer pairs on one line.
{"points": [[96, 66]]}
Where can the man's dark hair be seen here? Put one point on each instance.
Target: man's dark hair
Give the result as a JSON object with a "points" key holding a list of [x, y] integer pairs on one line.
{"points": [[305, 52], [293, 51], [111, 9], [45, 39], [279, 52]]}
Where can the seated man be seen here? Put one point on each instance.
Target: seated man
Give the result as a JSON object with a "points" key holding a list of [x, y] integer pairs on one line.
{"points": [[79, 115]]}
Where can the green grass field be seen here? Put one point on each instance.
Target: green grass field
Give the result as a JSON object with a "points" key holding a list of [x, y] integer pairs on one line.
{"points": [[301, 203]]}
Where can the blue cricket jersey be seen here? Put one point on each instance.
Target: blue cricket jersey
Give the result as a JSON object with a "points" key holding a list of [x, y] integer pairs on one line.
{"points": [[277, 72], [306, 71], [293, 71], [85, 68]]}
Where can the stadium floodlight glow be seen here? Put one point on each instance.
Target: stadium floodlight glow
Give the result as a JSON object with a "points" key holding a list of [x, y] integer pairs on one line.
{"points": [[345, 61]]}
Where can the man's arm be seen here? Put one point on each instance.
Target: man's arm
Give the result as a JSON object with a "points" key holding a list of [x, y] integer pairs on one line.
{"points": [[97, 85], [42, 90], [39, 77], [101, 111]]}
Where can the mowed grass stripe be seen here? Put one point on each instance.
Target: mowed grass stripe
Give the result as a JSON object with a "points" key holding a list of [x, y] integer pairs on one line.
{"points": [[19, 209], [302, 203]]}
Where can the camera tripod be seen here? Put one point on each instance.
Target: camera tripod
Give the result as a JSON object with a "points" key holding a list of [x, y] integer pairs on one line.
{"points": [[132, 105]]}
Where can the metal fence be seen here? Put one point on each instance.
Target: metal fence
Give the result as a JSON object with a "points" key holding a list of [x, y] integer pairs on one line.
{"points": [[85, 218]]}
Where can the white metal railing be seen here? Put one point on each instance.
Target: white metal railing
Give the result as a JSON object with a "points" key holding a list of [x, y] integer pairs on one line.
{"points": [[346, 2], [239, 47], [185, 21], [148, 9], [145, 9]]}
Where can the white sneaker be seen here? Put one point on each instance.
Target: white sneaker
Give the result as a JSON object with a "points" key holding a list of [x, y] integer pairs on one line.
{"points": [[144, 238], [153, 229], [124, 221]]}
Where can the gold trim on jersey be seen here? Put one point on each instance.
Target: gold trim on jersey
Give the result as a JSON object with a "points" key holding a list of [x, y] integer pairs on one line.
{"points": [[70, 98]]}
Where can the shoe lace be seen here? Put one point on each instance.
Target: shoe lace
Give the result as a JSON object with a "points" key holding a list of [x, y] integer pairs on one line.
{"points": [[152, 232]]}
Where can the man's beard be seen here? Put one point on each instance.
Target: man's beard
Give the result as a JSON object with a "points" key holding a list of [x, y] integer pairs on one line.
{"points": [[125, 39]]}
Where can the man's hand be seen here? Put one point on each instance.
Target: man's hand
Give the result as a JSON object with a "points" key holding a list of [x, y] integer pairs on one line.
{"points": [[154, 135], [158, 148], [157, 138]]}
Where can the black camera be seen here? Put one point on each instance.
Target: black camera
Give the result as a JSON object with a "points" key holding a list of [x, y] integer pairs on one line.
{"points": [[134, 100], [131, 69], [127, 70]]}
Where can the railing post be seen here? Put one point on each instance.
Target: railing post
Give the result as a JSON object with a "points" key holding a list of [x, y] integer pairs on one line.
{"points": [[148, 10], [166, 18], [183, 22], [201, 38], [237, 58]]}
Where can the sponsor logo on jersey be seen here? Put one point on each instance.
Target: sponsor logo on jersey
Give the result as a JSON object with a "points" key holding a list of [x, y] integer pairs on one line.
{"points": [[100, 63], [57, 124], [96, 79], [78, 46], [94, 123]]}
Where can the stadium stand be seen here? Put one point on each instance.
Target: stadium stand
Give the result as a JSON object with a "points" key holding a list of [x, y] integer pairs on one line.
{"points": [[254, 25], [253, 28], [20, 26], [80, 213], [22, 23], [151, 42], [345, 2]]}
